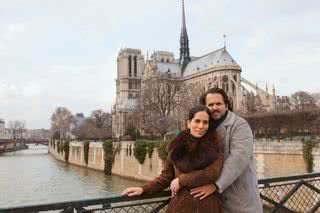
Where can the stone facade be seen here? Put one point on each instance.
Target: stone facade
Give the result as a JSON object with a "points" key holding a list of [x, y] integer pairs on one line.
{"points": [[2, 128]]}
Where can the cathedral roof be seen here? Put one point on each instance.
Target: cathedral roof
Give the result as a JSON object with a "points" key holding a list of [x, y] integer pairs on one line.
{"points": [[173, 68], [220, 57]]}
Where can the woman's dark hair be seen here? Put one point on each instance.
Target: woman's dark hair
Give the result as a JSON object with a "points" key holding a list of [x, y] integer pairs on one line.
{"points": [[217, 91], [198, 108]]}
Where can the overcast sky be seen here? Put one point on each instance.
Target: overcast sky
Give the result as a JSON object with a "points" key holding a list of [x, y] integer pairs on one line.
{"points": [[63, 52]]}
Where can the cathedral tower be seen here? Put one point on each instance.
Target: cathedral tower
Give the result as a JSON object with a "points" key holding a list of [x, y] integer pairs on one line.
{"points": [[130, 66]]}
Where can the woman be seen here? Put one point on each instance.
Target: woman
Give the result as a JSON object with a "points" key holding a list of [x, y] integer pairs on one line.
{"points": [[195, 158]]}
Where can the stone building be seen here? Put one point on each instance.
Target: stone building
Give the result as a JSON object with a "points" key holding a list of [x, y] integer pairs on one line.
{"points": [[214, 69], [2, 126], [4, 133]]}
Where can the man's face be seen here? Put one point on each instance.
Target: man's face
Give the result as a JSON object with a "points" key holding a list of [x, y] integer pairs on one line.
{"points": [[216, 105]]}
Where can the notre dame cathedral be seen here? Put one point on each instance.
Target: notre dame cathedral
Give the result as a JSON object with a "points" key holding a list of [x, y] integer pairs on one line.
{"points": [[213, 69]]}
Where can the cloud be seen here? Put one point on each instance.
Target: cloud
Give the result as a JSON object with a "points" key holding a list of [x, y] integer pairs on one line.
{"points": [[10, 31]]}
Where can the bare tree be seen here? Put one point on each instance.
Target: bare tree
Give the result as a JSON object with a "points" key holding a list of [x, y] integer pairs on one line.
{"points": [[160, 98], [290, 123], [101, 119], [97, 127], [303, 101], [61, 122], [189, 95]]}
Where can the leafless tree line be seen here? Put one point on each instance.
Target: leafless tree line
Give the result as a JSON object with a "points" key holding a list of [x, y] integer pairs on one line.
{"points": [[299, 115], [166, 102], [97, 126], [285, 124]]}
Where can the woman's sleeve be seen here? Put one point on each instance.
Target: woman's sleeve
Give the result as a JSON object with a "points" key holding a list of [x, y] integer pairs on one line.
{"points": [[161, 182], [203, 176]]}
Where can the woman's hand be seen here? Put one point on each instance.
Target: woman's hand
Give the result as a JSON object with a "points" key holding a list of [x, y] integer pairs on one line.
{"points": [[132, 191], [202, 192], [174, 187]]}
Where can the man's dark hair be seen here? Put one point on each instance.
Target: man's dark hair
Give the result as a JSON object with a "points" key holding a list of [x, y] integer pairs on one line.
{"points": [[216, 91]]}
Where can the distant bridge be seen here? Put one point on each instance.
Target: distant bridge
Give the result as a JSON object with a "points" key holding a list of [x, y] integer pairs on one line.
{"points": [[24, 141]]}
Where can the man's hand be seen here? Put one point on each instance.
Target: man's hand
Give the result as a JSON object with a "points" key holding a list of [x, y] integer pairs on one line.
{"points": [[132, 191], [202, 192], [174, 186]]}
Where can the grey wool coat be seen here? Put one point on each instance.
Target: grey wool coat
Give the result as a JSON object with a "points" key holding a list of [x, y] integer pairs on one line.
{"points": [[238, 182]]}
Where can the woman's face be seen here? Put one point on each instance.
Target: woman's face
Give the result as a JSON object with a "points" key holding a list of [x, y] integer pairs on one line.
{"points": [[199, 124]]}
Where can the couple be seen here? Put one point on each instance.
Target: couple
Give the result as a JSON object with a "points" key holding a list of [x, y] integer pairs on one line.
{"points": [[210, 165]]}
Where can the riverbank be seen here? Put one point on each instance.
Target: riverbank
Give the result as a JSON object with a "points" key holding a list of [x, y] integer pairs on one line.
{"points": [[126, 165], [11, 147]]}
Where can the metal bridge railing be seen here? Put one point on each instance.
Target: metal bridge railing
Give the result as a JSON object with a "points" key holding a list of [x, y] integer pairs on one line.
{"points": [[299, 193], [119, 204]]}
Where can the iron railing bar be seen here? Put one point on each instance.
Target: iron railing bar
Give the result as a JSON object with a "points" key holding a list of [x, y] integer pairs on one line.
{"points": [[312, 187], [81, 209], [161, 206], [290, 193], [274, 203], [286, 184], [68, 210], [315, 208], [289, 178], [81, 203], [135, 204]]}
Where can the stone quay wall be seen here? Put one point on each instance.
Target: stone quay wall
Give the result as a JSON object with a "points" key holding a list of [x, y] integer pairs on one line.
{"points": [[126, 165], [11, 147], [283, 147]]}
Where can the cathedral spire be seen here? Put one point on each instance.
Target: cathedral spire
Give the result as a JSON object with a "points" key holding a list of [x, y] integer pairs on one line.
{"points": [[184, 42]]}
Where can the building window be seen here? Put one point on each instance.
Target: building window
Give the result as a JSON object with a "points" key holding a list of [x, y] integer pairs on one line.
{"points": [[225, 78], [235, 78], [129, 65], [225, 87], [135, 66], [233, 89]]}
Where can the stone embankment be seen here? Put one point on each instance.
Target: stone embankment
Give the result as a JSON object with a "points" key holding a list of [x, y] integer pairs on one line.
{"points": [[126, 165], [283, 147], [11, 146]]}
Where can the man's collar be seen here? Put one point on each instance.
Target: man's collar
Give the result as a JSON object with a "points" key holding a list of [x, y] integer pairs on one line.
{"points": [[229, 119]]}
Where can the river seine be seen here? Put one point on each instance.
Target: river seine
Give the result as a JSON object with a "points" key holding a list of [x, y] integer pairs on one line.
{"points": [[33, 177]]}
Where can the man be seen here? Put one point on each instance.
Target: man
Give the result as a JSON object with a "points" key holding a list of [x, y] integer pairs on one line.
{"points": [[238, 182]]}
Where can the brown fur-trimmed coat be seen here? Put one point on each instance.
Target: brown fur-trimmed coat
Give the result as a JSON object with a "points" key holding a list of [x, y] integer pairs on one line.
{"points": [[196, 162]]}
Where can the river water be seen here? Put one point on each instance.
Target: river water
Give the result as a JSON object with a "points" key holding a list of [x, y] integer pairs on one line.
{"points": [[33, 177]]}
